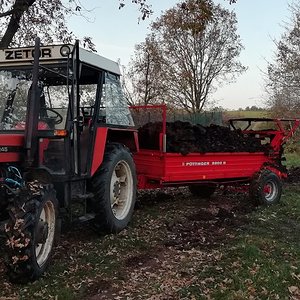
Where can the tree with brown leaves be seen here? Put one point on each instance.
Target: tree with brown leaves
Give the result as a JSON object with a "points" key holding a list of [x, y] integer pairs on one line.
{"points": [[283, 77], [196, 47], [22, 20]]}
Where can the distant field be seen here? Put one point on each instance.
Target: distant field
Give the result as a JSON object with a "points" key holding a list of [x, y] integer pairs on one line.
{"points": [[246, 114]]}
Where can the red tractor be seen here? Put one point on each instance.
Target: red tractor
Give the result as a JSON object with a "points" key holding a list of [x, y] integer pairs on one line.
{"points": [[66, 137]]}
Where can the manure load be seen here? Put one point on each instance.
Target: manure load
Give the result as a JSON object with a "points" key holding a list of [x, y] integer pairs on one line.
{"points": [[184, 138]]}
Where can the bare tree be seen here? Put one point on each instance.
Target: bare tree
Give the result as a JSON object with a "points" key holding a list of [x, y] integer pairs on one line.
{"points": [[22, 20], [144, 73], [197, 48], [144, 7], [283, 80]]}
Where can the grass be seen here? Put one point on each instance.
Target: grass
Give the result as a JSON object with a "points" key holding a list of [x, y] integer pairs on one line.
{"points": [[246, 114], [292, 159], [263, 262], [255, 257]]}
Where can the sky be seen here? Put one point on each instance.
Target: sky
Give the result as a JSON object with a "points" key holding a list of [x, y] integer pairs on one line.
{"points": [[115, 33]]}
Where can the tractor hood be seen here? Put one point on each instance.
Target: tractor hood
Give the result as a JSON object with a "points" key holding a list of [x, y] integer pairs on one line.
{"points": [[11, 147]]}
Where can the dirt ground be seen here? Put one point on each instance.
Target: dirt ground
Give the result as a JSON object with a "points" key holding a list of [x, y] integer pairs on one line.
{"points": [[172, 238], [189, 239]]}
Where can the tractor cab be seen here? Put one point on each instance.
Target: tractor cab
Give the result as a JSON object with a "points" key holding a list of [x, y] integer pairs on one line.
{"points": [[74, 91]]}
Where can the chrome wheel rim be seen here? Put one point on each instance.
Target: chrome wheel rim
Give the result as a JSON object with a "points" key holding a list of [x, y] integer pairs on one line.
{"points": [[270, 191], [121, 190], [47, 222]]}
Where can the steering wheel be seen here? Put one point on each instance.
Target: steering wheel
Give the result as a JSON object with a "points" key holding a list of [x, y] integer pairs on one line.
{"points": [[57, 118]]}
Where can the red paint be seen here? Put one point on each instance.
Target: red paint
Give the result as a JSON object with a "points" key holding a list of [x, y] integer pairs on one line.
{"points": [[158, 169], [10, 157], [12, 139], [267, 189], [99, 148]]}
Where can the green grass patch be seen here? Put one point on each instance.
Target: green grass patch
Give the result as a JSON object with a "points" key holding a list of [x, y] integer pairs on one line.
{"points": [[292, 159], [260, 260], [247, 114], [263, 261]]}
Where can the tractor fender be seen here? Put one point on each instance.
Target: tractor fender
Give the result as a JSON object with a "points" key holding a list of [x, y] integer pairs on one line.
{"points": [[105, 135]]}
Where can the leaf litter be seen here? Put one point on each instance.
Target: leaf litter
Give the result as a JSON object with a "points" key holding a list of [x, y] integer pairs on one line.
{"points": [[166, 253]]}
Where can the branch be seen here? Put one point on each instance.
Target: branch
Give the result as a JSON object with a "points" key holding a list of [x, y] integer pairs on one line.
{"points": [[7, 13], [18, 10]]}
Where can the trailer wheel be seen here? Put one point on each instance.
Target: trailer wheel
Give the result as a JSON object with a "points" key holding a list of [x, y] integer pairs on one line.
{"points": [[114, 187], [266, 188], [202, 191], [30, 232]]}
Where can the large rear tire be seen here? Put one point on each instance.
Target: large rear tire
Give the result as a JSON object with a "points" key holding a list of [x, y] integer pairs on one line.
{"points": [[265, 188], [114, 188], [30, 232]]}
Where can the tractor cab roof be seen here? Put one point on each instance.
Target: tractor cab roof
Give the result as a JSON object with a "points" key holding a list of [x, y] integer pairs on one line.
{"points": [[55, 54]]}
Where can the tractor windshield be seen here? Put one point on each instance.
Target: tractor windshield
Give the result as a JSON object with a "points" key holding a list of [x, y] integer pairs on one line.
{"points": [[14, 88]]}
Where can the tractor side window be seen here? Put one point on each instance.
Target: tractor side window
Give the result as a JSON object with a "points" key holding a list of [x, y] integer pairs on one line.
{"points": [[114, 105]]}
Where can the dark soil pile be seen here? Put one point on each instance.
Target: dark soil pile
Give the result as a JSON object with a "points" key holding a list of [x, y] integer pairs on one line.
{"points": [[293, 175], [184, 138]]}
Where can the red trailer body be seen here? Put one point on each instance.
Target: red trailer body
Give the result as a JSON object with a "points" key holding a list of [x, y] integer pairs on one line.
{"points": [[158, 168]]}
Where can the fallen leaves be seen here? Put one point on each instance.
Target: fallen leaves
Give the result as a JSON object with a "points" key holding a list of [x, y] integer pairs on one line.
{"points": [[136, 264], [294, 292], [14, 242], [17, 259]]}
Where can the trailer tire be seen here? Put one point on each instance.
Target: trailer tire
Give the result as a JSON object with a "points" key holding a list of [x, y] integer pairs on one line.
{"points": [[266, 188], [31, 233], [114, 187], [202, 191]]}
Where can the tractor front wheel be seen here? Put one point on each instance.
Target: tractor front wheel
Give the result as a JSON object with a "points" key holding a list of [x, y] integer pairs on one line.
{"points": [[114, 188], [266, 188], [31, 232]]}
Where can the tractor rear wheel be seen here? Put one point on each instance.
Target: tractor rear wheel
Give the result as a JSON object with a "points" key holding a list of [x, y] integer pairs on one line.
{"points": [[202, 191], [266, 188], [30, 232], [114, 188]]}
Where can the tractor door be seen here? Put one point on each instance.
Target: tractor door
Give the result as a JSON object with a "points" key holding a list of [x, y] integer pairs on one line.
{"points": [[77, 98], [89, 91], [87, 88]]}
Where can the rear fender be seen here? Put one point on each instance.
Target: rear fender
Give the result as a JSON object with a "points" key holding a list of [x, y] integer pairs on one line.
{"points": [[280, 171], [104, 135]]}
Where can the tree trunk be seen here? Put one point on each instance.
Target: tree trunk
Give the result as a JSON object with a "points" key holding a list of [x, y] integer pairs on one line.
{"points": [[19, 8]]}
